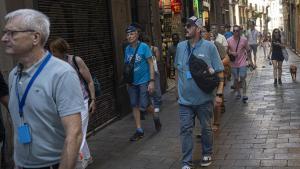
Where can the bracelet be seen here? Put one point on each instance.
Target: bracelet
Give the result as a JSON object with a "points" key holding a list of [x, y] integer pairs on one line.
{"points": [[152, 80], [93, 99]]}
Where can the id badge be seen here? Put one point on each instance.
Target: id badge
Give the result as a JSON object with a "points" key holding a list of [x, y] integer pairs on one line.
{"points": [[24, 136], [188, 75]]}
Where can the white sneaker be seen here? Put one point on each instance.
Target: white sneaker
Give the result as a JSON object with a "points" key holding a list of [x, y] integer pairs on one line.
{"points": [[186, 167], [206, 161]]}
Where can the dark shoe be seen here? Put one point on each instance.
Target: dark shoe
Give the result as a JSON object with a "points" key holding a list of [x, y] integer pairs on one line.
{"points": [[245, 98], [275, 82], [206, 161], [137, 136], [232, 87], [157, 124], [142, 116], [279, 82]]}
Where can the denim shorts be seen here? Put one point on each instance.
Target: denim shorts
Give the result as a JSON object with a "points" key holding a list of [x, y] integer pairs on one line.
{"points": [[253, 48], [139, 96], [239, 72]]}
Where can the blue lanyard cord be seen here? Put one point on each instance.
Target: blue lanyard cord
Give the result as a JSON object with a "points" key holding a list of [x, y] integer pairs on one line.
{"points": [[190, 52], [38, 71]]}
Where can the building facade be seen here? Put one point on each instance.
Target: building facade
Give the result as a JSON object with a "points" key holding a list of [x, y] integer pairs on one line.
{"points": [[95, 30]]}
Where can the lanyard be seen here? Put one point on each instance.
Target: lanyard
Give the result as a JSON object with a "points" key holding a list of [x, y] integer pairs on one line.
{"points": [[190, 52], [38, 71]]}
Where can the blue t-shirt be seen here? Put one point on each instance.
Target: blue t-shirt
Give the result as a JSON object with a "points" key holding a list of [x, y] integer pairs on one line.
{"points": [[141, 67], [189, 92], [228, 34]]}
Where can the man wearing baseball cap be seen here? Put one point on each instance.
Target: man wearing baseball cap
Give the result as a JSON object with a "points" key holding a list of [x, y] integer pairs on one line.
{"points": [[143, 77], [193, 101]]}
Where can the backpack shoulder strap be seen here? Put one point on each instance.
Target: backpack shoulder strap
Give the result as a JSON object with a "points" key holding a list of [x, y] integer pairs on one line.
{"points": [[77, 69]]}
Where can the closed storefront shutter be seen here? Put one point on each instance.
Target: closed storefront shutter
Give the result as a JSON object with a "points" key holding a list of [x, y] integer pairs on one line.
{"points": [[86, 25]]}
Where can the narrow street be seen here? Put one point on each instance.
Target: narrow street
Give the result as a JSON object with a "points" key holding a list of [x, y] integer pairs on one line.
{"points": [[264, 133]]}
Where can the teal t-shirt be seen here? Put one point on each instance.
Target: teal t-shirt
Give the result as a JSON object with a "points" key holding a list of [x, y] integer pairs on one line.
{"points": [[141, 66], [188, 91]]}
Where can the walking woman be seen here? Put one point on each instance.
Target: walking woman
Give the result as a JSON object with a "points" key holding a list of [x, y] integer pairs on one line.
{"points": [[277, 56], [59, 48]]}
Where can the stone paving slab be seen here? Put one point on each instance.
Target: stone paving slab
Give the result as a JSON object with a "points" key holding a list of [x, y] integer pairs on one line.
{"points": [[262, 134]]}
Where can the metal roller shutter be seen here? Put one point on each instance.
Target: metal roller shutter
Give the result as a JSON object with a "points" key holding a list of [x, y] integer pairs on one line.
{"points": [[86, 25]]}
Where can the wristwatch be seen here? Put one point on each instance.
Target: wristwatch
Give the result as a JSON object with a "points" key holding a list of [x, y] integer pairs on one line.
{"points": [[152, 80], [219, 94]]}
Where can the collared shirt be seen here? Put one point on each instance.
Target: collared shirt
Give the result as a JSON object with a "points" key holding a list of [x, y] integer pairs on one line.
{"points": [[241, 59], [55, 93], [221, 39], [141, 66], [252, 36], [189, 92], [228, 34]]}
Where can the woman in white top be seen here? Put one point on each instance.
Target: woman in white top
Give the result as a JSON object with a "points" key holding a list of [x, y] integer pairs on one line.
{"points": [[59, 48]]}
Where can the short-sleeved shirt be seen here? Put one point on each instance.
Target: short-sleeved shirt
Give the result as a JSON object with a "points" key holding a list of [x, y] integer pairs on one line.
{"points": [[228, 34], [3, 86], [252, 36], [241, 59], [221, 39], [188, 91], [141, 66], [55, 93]]}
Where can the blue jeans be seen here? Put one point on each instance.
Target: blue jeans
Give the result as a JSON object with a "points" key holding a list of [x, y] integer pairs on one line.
{"points": [[156, 95], [187, 113], [139, 96]]}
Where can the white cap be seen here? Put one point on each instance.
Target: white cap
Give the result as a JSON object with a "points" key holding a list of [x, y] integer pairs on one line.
{"points": [[195, 20]]}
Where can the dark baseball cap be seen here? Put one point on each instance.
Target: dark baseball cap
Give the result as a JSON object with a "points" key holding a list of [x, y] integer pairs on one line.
{"points": [[131, 28]]}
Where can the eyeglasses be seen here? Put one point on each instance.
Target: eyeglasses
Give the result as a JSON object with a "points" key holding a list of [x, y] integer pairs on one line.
{"points": [[276, 32], [236, 30], [11, 33]]}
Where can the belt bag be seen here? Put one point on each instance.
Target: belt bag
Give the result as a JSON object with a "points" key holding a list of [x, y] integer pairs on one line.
{"points": [[206, 81]]}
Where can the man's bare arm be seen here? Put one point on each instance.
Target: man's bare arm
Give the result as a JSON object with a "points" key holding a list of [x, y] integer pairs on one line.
{"points": [[72, 126]]}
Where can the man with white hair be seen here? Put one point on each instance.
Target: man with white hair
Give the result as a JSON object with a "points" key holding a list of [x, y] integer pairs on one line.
{"points": [[194, 101], [45, 96]]}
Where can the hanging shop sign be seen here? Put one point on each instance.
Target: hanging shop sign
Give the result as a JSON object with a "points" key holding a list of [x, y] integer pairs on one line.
{"points": [[176, 6]]}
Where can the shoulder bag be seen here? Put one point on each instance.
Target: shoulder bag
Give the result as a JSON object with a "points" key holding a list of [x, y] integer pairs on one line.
{"points": [[206, 81], [128, 71], [96, 82], [232, 58]]}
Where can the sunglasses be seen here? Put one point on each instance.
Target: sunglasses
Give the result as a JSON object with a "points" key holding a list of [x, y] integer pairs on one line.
{"points": [[235, 30], [276, 32]]}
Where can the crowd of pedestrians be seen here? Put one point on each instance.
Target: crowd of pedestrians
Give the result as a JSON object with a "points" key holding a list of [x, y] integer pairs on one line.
{"points": [[53, 91]]}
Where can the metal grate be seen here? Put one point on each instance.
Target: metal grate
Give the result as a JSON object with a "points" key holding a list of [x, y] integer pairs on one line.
{"points": [[86, 25]]}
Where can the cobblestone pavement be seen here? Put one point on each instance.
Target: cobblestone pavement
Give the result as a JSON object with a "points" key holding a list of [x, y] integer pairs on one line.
{"points": [[262, 134]]}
